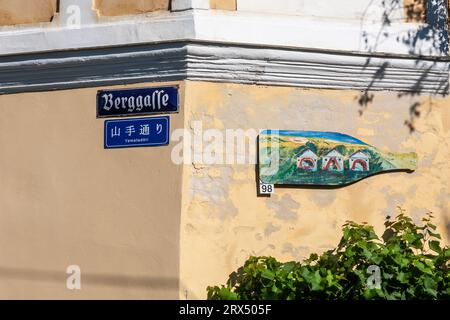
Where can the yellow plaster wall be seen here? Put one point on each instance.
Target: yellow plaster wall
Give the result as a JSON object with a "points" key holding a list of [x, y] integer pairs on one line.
{"points": [[223, 4], [26, 11], [223, 220], [124, 7], [65, 200], [415, 10], [141, 227]]}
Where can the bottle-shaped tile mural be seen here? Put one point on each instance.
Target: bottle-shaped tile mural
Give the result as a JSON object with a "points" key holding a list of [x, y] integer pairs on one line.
{"points": [[323, 158]]}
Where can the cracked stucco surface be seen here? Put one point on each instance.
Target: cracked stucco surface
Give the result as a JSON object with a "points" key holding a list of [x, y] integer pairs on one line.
{"points": [[223, 221]]}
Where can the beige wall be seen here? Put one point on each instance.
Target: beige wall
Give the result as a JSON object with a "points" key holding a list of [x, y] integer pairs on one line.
{"points": [[223, 4], [415, 10], [223, 220], [26, 11], [65, 200], [142, 227], [122, 7]]}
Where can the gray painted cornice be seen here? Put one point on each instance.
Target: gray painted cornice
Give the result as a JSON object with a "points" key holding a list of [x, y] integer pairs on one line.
{"points": [[212, 61]]}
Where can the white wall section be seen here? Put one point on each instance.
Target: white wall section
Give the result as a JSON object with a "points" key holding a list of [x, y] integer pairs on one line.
{"points": [[370, 10], [179, 5], [231, 27]]}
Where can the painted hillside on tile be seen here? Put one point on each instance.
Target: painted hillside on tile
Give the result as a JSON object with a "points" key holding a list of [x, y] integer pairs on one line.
{"points": [[323, 158]]}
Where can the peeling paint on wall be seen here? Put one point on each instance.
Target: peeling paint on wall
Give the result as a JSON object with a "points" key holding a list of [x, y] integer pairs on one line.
{"points": [[293, 223], [285, 207]]}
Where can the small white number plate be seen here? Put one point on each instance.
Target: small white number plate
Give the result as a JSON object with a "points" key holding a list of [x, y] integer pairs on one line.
{"points": [[265, 188]]}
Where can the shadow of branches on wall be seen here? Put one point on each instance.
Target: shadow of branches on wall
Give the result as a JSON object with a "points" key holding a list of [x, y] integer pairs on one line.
{"points": [[433, 33]]}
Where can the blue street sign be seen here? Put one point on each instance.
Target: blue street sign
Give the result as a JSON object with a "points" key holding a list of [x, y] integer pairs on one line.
{"points": [[142, 132], [132, 102]]}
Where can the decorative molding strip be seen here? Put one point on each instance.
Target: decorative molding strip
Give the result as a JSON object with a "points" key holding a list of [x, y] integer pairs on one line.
{"points": [[220, 63], [316, 69], [89, 68]]}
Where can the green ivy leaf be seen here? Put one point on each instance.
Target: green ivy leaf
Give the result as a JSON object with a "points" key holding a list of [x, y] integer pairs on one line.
{"points": [[419, 265], [434, 235], [432, 226], [430, 286], [226, 294], [315, 281], [267, 274], [341, 273], [435, 246], [288, 267], [447, 253], [402, 277]]}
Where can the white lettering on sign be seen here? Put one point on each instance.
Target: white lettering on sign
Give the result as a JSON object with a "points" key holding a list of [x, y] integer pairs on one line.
{"points": [[130, 130], [108, 101], [139, 103], [145, 130], [115, 132], [158, 99], [116, 103], [159, 128]]}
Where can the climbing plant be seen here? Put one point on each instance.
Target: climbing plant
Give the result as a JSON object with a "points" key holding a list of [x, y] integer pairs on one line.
{"points": [[406, 262]]}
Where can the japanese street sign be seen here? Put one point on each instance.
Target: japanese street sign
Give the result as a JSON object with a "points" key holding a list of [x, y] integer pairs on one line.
{"points": [[129, 102], [142, 132]]}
